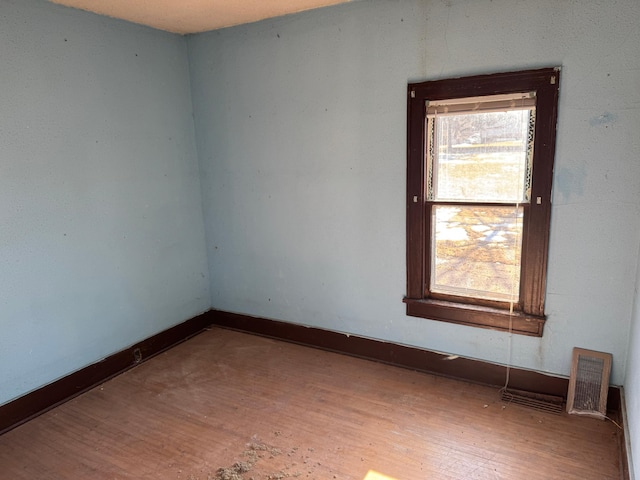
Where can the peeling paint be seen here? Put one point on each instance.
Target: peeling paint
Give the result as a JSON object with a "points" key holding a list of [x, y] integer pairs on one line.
{"points": [[605, 120]]}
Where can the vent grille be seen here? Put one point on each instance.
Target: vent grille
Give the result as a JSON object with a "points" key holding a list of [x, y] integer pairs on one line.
{"points": [[543, 403], [589, 383]]}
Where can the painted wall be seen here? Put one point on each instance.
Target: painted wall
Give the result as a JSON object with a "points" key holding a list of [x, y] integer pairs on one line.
{"points": [[101, 232], [300, 126]]}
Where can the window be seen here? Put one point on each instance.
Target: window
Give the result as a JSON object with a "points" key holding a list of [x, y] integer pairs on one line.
{"points": [[479, 171]]}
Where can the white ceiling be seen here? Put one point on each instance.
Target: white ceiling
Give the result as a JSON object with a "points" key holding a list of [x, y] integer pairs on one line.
{"points": [[193, 16]]}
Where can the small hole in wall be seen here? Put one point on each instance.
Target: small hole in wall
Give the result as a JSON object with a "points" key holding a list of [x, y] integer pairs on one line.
{"points": [[137, 355]]}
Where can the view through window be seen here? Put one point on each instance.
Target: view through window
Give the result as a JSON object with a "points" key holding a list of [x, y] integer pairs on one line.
{"points": [[479, 161]]}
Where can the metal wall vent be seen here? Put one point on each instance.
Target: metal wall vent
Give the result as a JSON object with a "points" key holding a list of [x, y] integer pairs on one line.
{"points": [[537, 401], [589, 383]]}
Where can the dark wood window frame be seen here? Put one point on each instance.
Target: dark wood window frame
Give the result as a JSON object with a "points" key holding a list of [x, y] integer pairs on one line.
{"points": [[527, 316]]}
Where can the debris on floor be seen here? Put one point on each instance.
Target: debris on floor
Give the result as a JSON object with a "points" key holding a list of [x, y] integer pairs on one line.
{"points": [[257, 463]]}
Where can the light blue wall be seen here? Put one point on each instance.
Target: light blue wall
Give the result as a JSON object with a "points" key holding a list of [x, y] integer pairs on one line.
{"points": [[300, 126], [101, 232]]}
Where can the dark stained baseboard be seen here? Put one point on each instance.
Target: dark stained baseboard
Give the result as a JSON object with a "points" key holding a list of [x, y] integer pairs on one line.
{"points": [[49, 396], [476, 371], [44, 398], [625, 464]]}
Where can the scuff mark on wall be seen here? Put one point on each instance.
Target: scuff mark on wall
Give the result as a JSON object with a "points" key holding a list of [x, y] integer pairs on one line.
{"points": [[605, 120], [570, 182]]}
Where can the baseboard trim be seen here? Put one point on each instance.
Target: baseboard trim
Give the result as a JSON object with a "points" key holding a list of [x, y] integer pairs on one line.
{"points": [[29, 406], [626, 461], [467, 369], [24, 408]]}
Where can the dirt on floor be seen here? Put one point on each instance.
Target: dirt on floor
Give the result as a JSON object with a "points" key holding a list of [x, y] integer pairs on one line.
{"points": [[262, 461]]}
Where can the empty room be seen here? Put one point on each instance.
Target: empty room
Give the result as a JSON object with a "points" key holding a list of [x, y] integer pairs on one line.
{"points": [[320, 239]]}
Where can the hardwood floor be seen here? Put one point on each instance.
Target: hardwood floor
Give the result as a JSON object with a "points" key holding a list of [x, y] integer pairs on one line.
{"points": [[229, 406]]}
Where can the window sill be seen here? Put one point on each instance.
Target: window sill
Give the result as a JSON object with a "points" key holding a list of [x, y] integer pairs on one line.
{"points": [[476, 316]]}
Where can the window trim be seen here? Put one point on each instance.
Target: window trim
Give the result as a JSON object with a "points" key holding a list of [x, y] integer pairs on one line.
{"points": [[529, 317]]}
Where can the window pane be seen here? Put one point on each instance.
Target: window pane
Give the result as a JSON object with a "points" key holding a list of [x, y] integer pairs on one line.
{"points": [[480, 157], [476, 251]]}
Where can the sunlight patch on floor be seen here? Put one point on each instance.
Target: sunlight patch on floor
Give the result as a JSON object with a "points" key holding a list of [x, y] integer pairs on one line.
{"points": [[371, 475]]}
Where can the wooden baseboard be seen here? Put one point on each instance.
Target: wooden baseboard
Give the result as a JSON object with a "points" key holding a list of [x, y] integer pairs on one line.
{"points": [[44, 398], [626, 466], [404, 356], [39, 401]]}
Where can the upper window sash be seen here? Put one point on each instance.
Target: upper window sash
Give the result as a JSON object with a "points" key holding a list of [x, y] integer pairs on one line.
{"points": [[493, 116]]}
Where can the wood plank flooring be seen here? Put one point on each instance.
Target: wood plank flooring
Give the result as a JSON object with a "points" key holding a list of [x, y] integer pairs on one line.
{"points": [[229, 406]]}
